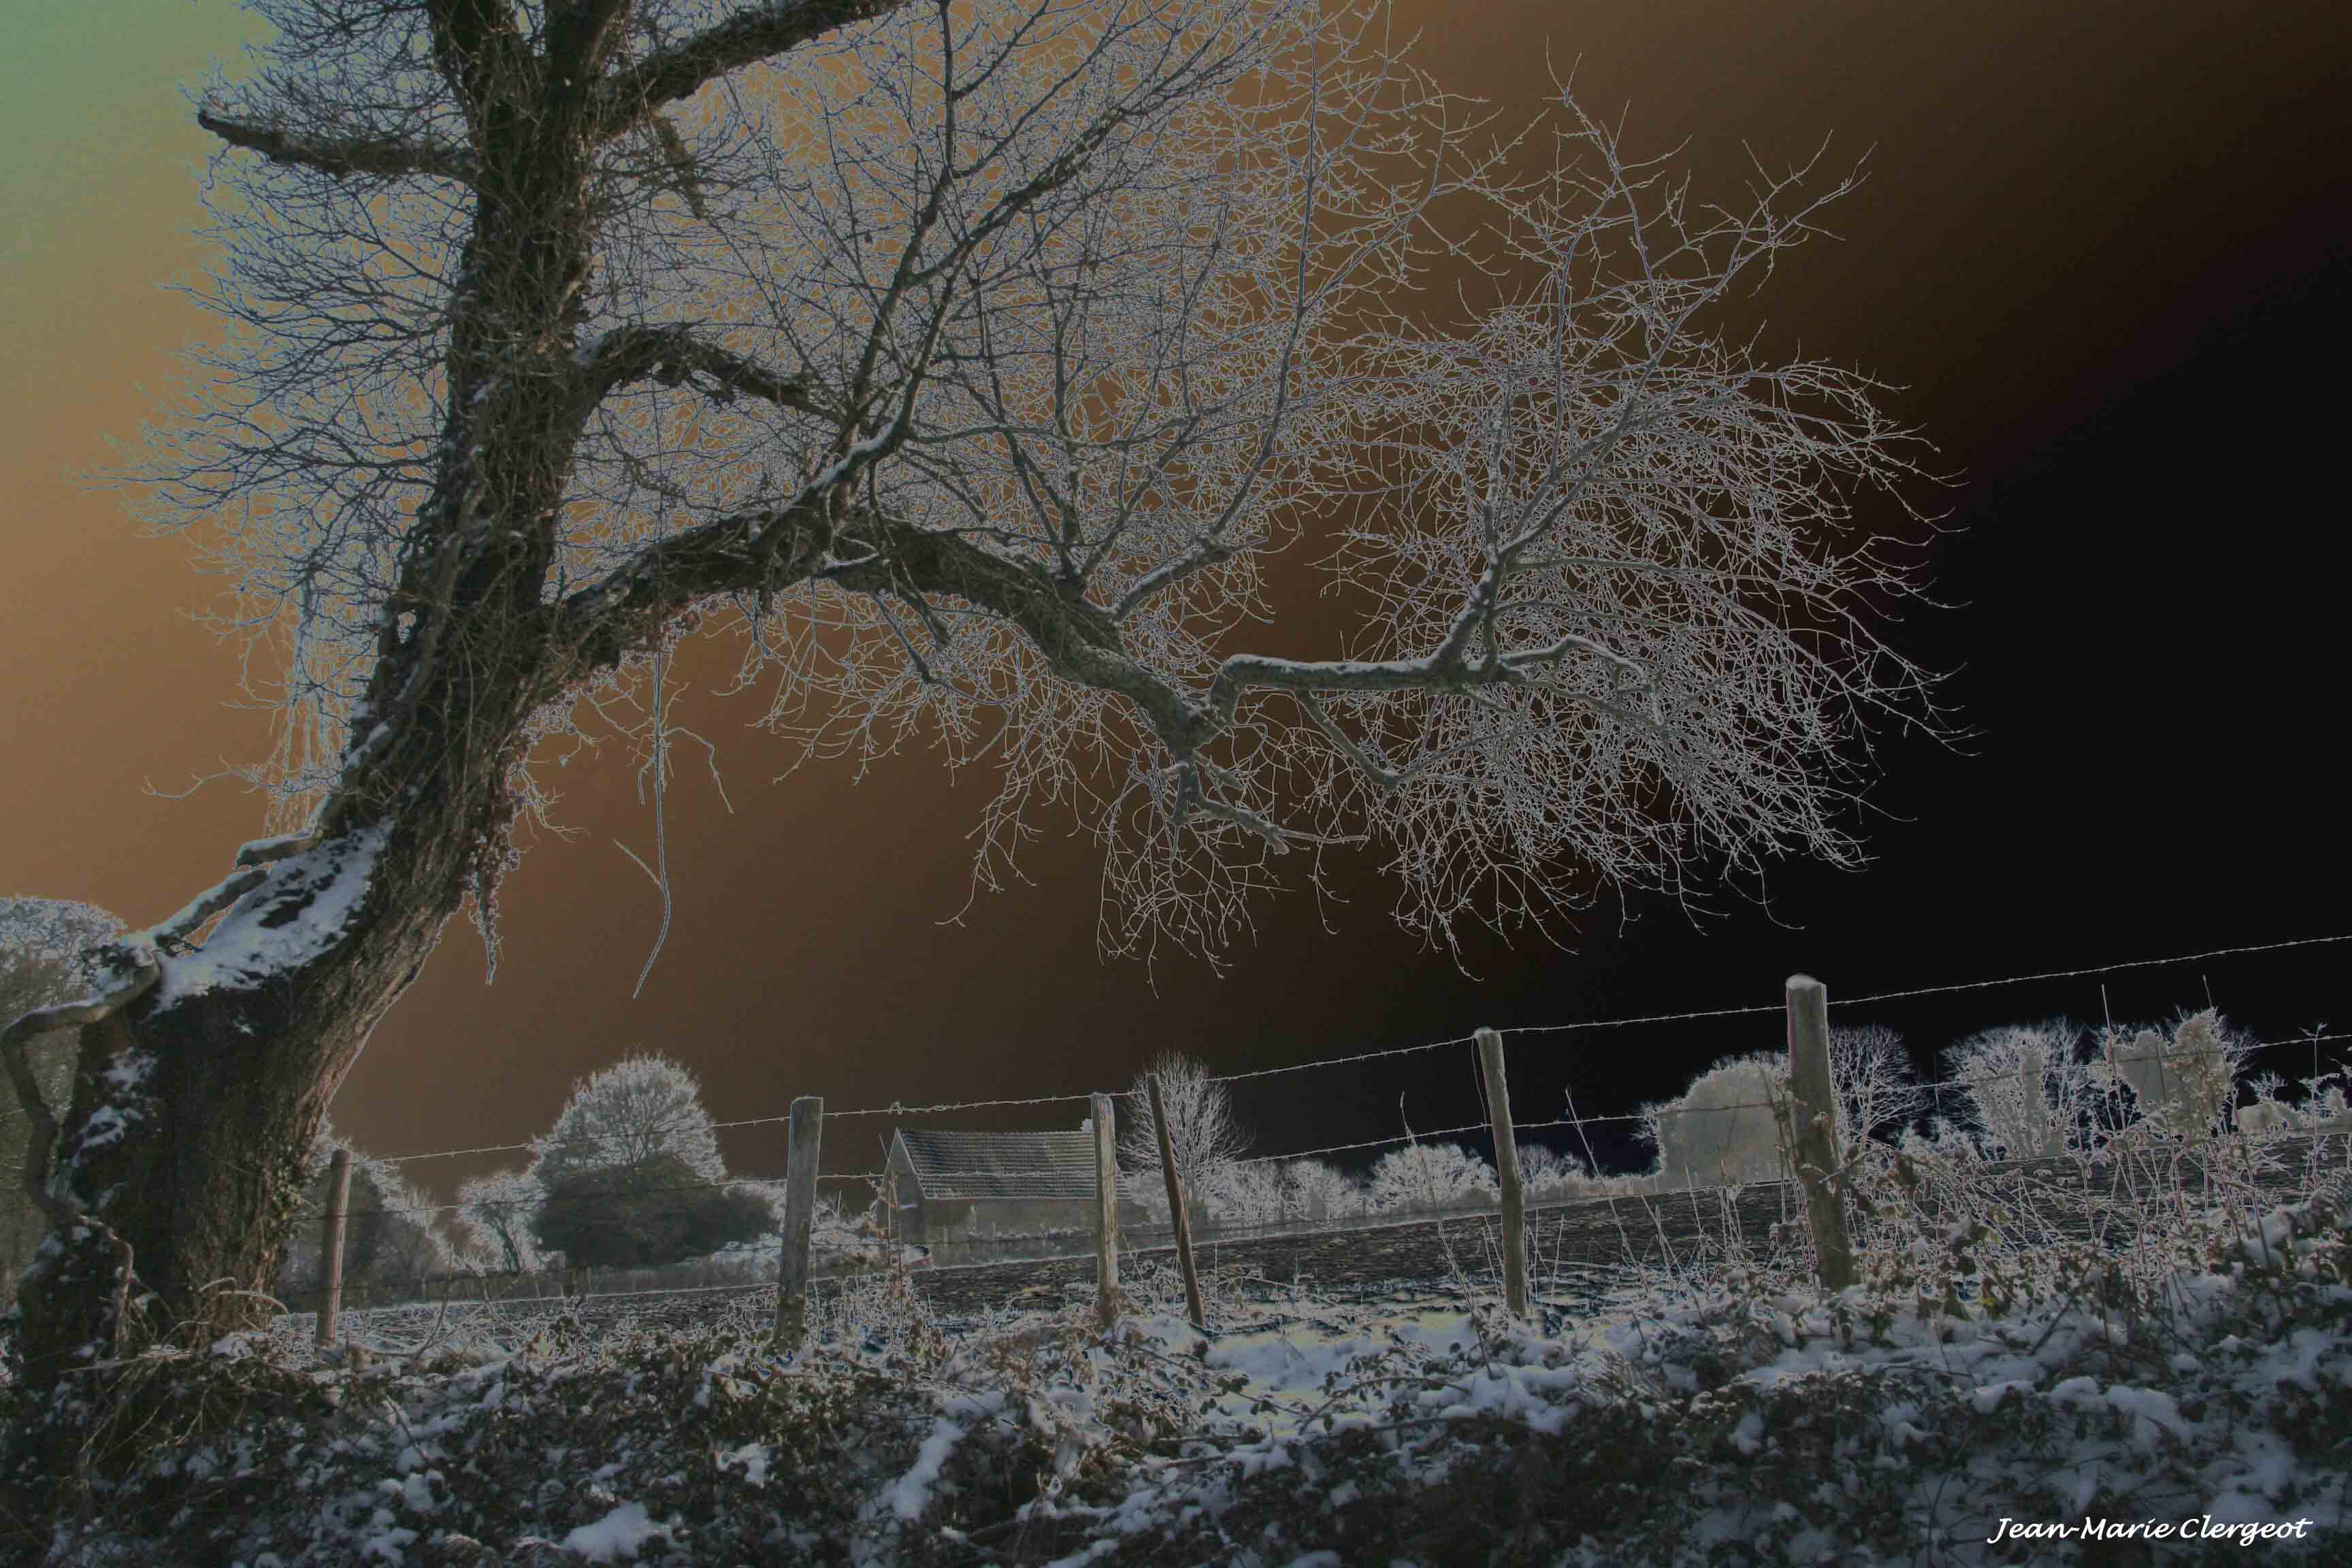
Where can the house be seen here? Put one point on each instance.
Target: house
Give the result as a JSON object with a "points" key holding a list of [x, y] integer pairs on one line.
{"points": [[967, 1186]]}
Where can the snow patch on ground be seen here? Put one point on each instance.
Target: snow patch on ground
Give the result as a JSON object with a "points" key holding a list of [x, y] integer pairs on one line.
{"points": [[620, 1534]]}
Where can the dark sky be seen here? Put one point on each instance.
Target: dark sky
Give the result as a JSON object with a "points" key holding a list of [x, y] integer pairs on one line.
{"points": [[2104, 248]]}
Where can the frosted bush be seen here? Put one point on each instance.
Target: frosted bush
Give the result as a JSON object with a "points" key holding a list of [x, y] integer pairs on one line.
{"points": [[1252, 1192], [497, 1221], [2030, 1099], [2265, 1117], [2183, 1085], [1428, 1176], [1319, 1191], [1550, 1176], [1724, 1129]]}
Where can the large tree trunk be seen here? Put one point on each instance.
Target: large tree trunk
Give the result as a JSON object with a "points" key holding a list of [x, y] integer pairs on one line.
{"points": [[194, 1109], [194, 1115]]}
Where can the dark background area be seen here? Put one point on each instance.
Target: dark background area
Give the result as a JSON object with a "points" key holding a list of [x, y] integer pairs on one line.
{"points": [[2104, 249]]}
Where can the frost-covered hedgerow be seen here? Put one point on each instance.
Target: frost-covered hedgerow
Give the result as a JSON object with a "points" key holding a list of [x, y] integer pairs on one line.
{"points": [[1750, 1420]]}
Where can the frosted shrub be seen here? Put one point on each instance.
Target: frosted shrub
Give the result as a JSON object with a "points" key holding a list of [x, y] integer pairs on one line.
{"points": [[2031, 1099], [2265, 1117], [1321, 1191], [1550, 1176], [2183, 1085], [1207, 1136], [1428, 1176], [1723, 1131], [1241, 1193]]}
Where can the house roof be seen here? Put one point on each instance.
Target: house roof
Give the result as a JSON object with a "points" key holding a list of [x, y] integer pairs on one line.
{"points": [[969, 1165]]}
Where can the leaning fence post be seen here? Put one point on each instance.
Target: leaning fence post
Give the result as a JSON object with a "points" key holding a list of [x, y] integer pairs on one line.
{"points": [[807, 1131], [1176, 1207], [1107, 1302], [330, 1249], [1506, 1172], [1814, 1131]]}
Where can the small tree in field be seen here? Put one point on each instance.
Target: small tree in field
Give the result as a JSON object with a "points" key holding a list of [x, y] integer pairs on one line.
{"points": [[1870, 1072], [961, 367], [1206, 1135], [631, 1175], [639, 1215], [1550, 1176], [2027, 1093], [641, 1109], [498, 1214]]}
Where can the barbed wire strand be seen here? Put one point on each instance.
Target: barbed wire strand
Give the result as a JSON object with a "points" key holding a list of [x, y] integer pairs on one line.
{"points": [[2079, 973], [897, 1109]]}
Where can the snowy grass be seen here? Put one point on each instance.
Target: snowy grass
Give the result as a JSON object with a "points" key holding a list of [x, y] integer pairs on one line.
{"points": [[2134, 1355]]}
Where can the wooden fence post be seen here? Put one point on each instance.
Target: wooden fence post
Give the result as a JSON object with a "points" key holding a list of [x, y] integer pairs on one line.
{"points": [[330, 1248], [1107, 1302], [806, 1134], [1814, 1129], [1176, 1207], [1506, 1172]]}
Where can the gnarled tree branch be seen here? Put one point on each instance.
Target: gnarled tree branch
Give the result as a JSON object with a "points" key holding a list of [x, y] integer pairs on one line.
{"points": [[672, 354], [342, 156], [625, 98]]}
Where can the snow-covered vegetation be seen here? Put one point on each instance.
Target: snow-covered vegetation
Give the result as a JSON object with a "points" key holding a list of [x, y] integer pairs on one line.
{"points": [[2037, 1355], [2148, 1338]]}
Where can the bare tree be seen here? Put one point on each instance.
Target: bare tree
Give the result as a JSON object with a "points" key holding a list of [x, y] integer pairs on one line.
{"points": [[2031, 1098], [1320, 1190], [1551, 1176], [1208, 1138], [497, 1213], [1870, 1072], [964, 365]]}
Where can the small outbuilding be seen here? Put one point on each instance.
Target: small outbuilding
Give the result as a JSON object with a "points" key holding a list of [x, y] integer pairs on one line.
{"points": [[972, 1186]]}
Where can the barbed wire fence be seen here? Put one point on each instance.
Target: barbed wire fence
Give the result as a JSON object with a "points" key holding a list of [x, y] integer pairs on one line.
{"points": [[2103, 1069]]}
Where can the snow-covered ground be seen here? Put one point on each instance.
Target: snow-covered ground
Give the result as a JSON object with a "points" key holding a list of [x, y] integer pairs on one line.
{"points": [[1731, 1419]]}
